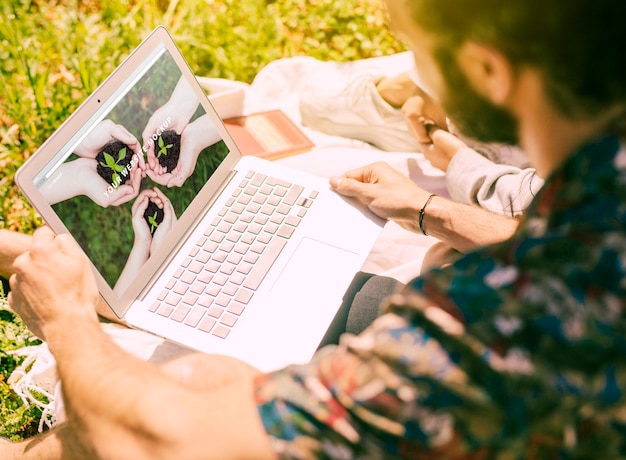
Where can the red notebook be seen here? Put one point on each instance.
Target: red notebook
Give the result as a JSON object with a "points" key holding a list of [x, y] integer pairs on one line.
{"points": [[268, 135]]}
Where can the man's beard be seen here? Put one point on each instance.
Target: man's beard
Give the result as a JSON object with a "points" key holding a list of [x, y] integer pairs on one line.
{"points": [[471, 113]]}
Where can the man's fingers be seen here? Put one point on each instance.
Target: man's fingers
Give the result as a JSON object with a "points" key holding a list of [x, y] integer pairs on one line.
{"points": [[336, 183], [346, 186], [68, 245], [43, 236], [443, 139], [416, 121], [44, 239]]}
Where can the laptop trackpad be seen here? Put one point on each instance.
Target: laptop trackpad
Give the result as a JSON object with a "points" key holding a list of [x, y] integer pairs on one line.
{"points": [[315, 266]]}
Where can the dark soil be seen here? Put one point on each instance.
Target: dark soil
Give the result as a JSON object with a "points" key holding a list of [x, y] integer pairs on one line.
{"points": [[113, 148], [150, 210], [170, 159]]}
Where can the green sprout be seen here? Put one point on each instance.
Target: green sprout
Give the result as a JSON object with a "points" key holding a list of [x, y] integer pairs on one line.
{"points": [[114, 165], [153, 222], [162, 147]]}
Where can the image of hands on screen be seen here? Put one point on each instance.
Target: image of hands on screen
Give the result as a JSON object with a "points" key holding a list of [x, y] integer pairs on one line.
{"points": [[152, 218], [109, 168], [172, 143]]}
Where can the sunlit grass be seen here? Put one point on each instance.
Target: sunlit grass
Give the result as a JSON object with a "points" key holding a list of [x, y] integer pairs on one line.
{"points": [[54, 54]]}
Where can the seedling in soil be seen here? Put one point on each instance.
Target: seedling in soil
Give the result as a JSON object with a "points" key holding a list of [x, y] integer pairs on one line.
{"points": [[153, 216], [114, 163], [168, 149], [163, 148], [152, 220], [110, 162]]}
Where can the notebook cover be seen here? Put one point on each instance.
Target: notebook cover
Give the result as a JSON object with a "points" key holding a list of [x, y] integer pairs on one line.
{"points": [[270, 135]]}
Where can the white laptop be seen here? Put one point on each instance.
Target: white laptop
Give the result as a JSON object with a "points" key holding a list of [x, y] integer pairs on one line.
{"points": [[215, 251]]}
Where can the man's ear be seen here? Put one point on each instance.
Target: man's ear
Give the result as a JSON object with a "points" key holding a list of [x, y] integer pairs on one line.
{"points": [[487, 70]]}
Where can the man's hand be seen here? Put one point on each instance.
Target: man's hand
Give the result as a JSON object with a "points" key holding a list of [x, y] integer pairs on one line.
{"points": [[385, 191], [442, 148], [52, 283]]}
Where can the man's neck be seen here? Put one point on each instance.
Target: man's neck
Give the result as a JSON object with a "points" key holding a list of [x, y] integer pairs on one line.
{"points": [[546, 135]]}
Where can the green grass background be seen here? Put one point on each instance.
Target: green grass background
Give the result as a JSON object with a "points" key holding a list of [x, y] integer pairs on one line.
{"points": [[54, 53]]}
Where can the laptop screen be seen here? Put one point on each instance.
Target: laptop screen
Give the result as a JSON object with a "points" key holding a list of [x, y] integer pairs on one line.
{"points": [[122, 184]]}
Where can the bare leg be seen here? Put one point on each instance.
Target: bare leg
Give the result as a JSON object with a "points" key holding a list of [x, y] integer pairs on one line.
{"points": [[397, 89]]}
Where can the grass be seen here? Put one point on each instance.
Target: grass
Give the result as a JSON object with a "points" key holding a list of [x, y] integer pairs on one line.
{"points": [[16, 419], [54, 53]]}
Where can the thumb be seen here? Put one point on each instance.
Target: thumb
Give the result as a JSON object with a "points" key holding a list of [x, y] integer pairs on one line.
{"points": [[445, 140], [415, 120], [346, 186]]}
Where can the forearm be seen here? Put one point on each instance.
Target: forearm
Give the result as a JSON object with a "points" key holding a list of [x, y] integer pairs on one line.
{"points": [[500, 188], [150, 414], [183, 99], [103, 387], [204, 132], [136, 259], [465, 227]]}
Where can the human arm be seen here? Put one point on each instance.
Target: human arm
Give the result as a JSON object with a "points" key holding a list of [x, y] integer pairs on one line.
{"points": [[145, 243], [80, 177], [105, 132], [173, 115], [382, 394], [169, 219], [392, 195], [500, 188], [113, 396], [470, 177], [140, 250]]}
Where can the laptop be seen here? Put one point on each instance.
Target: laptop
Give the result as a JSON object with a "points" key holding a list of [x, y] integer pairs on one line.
{"points": [[188, 239]]}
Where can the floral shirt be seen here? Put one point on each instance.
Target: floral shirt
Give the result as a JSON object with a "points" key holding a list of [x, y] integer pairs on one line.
{"points": [[535, 369]]}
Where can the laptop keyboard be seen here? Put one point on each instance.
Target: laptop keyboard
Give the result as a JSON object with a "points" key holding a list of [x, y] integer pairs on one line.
{"points": [[217, 280]]}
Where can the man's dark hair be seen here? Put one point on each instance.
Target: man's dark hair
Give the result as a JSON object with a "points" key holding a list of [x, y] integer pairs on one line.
{"points": [[577, 44]]}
